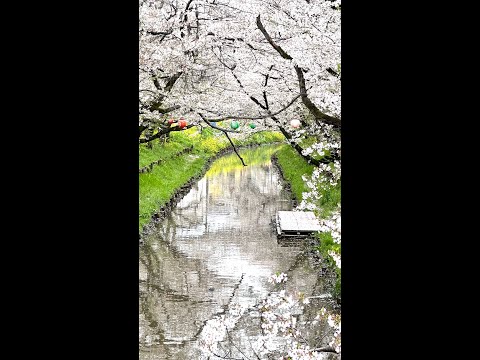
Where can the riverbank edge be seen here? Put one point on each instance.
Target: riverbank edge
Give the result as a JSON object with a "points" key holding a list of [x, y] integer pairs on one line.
{"points": [[165, 209], [286, 184], [312, 242]]}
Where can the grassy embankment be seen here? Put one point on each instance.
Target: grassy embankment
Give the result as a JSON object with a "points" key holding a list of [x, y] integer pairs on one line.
{"points": [[293, 167], [158, 186]]}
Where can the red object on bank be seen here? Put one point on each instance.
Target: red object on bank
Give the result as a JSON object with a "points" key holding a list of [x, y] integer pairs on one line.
{"points": [[171, 121], [182, 124]]}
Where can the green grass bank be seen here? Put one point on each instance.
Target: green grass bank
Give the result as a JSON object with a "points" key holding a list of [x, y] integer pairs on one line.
{"points": [[293, 166], [177, 167]]}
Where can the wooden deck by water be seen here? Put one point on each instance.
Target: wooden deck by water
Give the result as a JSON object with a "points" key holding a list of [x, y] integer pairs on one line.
{"points": [[294, 223]]}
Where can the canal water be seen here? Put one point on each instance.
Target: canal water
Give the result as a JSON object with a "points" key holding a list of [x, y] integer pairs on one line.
{"points": [[217, 249]]}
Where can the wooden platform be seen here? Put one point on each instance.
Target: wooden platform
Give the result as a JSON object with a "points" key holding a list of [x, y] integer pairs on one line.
{"points": [[295, 223]]}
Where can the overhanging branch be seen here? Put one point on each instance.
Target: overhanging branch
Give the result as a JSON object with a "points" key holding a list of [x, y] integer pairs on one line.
{"points": [[288, 136], [270, 40], [314, 110], [225, 131], [163, 132]]}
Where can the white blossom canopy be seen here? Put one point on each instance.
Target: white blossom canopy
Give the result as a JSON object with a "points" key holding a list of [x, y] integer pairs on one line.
{"points": [[211, 57]]}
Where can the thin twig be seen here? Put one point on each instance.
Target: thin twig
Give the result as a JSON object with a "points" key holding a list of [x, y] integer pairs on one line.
{"points": [[234, 149]]}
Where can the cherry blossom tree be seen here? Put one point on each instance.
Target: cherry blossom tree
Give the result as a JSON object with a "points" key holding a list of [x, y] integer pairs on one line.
{"points": [[268, 61], [264, 61]]}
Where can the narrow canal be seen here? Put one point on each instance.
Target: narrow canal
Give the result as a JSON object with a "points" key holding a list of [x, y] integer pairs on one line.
{"points": [[218, 247]]}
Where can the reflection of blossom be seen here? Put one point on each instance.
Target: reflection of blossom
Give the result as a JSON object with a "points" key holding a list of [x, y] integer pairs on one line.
{"points": [[215, 330], [278, 313], [277, 278]]}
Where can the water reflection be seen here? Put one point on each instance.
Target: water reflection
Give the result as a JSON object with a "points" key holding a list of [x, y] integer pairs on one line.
{"points": [[218, 243]]}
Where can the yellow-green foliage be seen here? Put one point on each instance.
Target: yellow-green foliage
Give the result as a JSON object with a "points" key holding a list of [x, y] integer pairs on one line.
{"points": [[212, 145], [157, 187], [256, 156], [264, 137]]}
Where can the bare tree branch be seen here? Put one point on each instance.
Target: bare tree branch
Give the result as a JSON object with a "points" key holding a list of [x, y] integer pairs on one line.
{"points": [[172, 80], [170, 109], [155, 80], [269, 39], [148, 90], [225, 131], [156, 33], [325, 349], [265, 85], [164, 131], [287, 135], [310, 105], [188, 4], [157, 102], [235, 149]]}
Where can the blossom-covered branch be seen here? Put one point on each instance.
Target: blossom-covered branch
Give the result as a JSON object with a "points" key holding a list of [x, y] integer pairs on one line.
{"points": [[301, 81]]}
